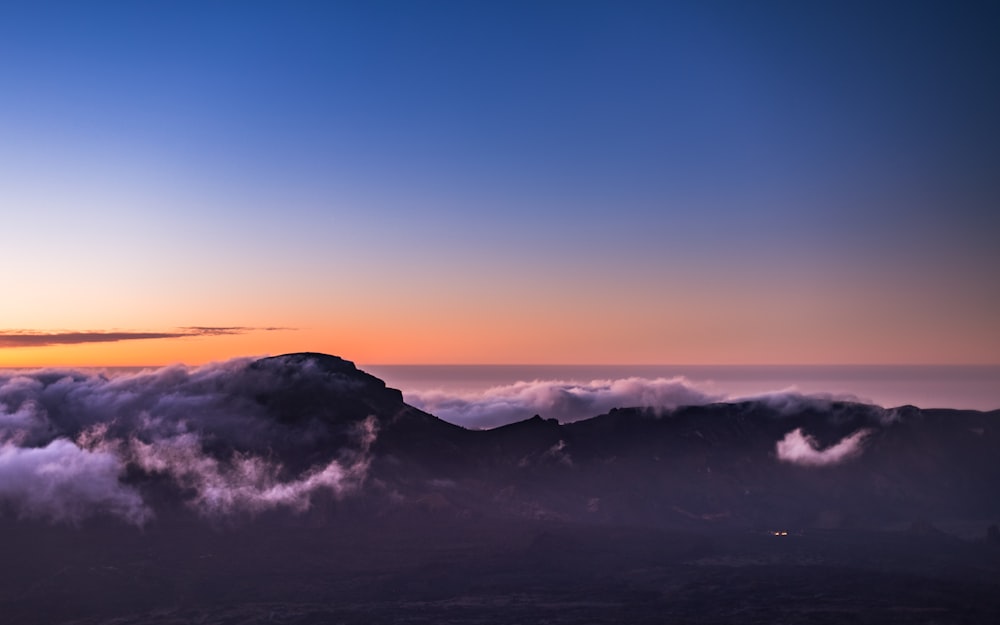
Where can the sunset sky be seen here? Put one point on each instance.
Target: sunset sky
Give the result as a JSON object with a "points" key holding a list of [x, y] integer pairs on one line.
{"points": [[500, 182]]}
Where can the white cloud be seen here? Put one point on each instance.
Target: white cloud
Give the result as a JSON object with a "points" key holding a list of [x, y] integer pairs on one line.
{"points": [[799, 448], [559, 399], [64, 483]]}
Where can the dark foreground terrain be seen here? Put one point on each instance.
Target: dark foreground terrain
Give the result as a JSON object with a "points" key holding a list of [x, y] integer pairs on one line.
{"points": [[430, 571], [300, 490]]}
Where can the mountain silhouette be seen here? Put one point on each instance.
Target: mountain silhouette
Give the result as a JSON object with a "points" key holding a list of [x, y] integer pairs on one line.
{"points": [[711, 465]]}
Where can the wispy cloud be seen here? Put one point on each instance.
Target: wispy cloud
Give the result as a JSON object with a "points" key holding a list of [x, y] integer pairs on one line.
{"points": [[35, 338]]}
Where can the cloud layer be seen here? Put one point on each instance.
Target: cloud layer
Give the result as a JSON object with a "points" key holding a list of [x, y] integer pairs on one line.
{"points": [[559, 399]]}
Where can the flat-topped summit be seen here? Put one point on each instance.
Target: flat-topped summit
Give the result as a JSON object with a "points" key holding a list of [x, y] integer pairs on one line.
{"points": [[305, 384], [326, 363]]}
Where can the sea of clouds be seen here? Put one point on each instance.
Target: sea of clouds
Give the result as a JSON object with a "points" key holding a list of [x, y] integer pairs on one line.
{"points": [[571, 400]]}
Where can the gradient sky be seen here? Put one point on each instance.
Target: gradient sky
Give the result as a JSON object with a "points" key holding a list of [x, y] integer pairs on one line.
{"points": [[491, 182]]}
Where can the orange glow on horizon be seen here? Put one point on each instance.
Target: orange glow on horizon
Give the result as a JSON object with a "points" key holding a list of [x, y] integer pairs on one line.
{"points": [[454, 341]]}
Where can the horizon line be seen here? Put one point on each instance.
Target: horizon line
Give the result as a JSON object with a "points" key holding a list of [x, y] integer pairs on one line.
{"points": [[505, 364]]}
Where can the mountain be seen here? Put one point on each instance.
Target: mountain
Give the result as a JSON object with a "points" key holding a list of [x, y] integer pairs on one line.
{"points": [[693, 467], [750, 465]]}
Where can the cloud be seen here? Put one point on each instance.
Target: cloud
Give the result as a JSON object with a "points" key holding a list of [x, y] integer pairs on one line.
{"points": [[559, 399], [62, 482], [573, 400], [34, 338], [248, 483], [799, 448], [837, 407], [73, 443], [790, 401]]}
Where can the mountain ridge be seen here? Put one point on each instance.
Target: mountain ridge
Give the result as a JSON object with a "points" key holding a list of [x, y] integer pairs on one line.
{"points": [[713, 464]]}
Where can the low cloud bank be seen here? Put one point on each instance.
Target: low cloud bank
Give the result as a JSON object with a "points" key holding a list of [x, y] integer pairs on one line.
{"points": [[573, 400], [790, 401], [69, 439], [799, 448], [559, 399]]}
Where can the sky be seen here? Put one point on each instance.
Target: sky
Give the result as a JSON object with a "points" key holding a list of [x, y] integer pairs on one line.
{"points": [[500, 182]]}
